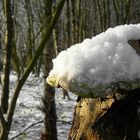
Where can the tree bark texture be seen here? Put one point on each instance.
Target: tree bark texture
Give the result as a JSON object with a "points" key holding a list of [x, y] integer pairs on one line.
{"points": [[113, 118], [50, 131], [49, 110]]}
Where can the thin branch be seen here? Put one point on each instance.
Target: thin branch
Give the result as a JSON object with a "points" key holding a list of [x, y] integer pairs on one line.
{"points": [[39, 32], [65, 122], [25, 129]]}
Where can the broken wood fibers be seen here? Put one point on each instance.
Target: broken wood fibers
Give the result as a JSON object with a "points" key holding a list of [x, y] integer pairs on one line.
{"points": [[116, 117]]}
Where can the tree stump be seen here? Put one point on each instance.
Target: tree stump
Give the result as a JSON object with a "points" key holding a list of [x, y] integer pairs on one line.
{"points": [[113, 118]]}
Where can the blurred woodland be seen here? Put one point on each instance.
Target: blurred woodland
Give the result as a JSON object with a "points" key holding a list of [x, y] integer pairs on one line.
{"points": [[79, 19], [33, 32]]}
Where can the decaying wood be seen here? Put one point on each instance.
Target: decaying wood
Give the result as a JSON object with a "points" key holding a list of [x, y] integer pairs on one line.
{"points": [[86, 113], [113, 118]]}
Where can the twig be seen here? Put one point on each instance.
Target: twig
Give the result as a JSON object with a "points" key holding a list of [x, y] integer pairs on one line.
{"points": [[62, 121], [25, 129]]}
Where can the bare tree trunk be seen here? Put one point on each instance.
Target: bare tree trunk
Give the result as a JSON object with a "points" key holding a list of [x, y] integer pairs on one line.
{"points": [[117, 11], [73, 6], [49, 110], [68, 20], [79, 20], [30, 34], [50, 131], [0, 58], [8, 54], [127, 5]]}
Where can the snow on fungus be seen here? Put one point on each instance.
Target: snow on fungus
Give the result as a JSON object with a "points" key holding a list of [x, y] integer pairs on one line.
{"points": [[100, 65]]}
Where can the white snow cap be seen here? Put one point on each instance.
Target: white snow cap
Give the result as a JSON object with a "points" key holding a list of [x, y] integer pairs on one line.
{"points": [[104, 59]]}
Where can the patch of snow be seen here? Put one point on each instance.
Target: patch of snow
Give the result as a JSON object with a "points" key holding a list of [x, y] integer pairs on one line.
{"points": [[104, 59], [27, 111]]}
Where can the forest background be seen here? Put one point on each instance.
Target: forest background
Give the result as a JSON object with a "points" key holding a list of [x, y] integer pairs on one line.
{"points": [[31, 36]]}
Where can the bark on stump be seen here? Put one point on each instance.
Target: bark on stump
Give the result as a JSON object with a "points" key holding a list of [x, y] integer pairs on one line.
{"points": [[113, 118]]}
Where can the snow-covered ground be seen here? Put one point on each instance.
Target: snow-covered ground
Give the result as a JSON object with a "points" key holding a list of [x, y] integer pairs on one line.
{"points": [[27, 110]]}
